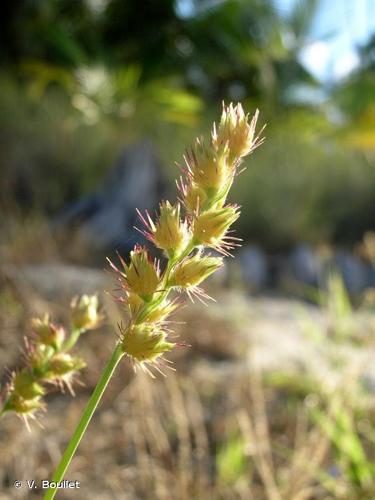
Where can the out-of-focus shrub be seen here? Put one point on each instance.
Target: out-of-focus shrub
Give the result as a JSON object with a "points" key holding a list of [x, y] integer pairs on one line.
{"points": [[306, 186], [60, 132]]}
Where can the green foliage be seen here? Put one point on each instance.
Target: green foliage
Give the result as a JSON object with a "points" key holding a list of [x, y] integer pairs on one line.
{"points": [[296, 386], [85, 78], [336, 403], [231, 461], [341, 409], [339, 308], [305, 186], [60, 140], [215, 49], [337, 421]]}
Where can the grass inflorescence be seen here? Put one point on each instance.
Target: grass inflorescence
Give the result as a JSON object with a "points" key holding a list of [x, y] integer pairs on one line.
{"points": [[48, 359], [200, 220]]}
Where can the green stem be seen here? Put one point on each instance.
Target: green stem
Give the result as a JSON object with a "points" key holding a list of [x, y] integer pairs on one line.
{"points": [[72, 340], [85, 420]]}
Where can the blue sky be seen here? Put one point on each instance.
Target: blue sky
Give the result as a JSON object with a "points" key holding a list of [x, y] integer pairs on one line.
{"points": [[338, 28]]}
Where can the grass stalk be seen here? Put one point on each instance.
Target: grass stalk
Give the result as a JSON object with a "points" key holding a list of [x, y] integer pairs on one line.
{"points": [[84, 421]]}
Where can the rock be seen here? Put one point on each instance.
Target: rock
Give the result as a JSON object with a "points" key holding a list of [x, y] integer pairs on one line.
{"points": [[282, 336], [355, 273], [305, 265], [104, 220], [58, 281], [254, 268]]}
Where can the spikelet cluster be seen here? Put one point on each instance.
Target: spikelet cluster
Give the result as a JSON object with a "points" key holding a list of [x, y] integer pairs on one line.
{"points": [[48, 358], [183, 231]]}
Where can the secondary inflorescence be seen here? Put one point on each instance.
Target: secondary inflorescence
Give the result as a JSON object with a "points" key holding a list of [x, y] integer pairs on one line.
{"points": [[48, 360]]}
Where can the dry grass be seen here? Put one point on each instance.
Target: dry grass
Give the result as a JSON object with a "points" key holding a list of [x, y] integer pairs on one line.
{"points": [[193, 435]]}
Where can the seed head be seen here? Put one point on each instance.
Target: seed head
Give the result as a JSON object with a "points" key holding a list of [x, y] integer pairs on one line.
{"points": [[141, 276], [161, 312], [23, 406], [64, 365], [191, 272], [208, 169], [155, 315], [48, 333], [145, 343], [47, 360], [169, 233], [236, 133], [193, 196], [84, 312], [210, 228], [39, 356], [25, 385], [134, 302]]}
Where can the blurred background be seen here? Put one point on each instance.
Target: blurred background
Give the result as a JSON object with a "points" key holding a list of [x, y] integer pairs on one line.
{"points": [[98, 101]]}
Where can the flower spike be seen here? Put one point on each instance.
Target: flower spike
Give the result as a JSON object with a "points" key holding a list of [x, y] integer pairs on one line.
{"points": [[200, 219]]}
